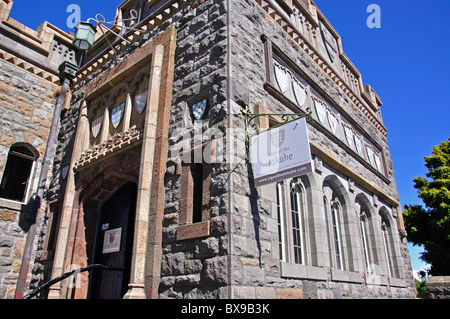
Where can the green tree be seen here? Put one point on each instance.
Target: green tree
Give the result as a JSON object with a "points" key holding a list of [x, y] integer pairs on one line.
{"points": [[430, 226], [421, 287]]}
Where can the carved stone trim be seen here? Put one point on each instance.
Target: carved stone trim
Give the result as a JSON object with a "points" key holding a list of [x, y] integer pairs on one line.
{"points": [[30, 67], [148, 24], [118, 142], [350, 89]]}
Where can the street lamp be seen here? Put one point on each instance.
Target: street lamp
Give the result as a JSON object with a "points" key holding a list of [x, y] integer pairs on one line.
{"points": [[84, 36]]}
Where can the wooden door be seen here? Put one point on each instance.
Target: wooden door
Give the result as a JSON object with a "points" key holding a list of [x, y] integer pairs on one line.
{"points": [[113, 244]]}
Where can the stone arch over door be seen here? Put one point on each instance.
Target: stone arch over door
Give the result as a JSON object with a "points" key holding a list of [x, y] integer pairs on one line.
{"points": [[159, 55], [95, 185], [113, 243]]}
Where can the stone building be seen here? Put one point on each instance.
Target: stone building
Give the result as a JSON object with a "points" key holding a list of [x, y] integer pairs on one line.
{"points": [[29, 85], [159, 186]]}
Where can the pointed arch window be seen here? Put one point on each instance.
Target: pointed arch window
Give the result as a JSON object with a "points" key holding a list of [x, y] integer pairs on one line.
{"points": [[363, 222], [332, 215], [298, 222], [292, 222], [336, 232], [387, 245], [281, 222]]}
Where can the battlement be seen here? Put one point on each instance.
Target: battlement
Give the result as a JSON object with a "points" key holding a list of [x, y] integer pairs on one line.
{"points": [[38, 51]]}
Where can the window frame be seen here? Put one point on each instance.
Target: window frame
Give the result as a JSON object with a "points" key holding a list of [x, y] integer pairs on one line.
{"points": [[286, 223], [336, 232], [188, 226], [296, 196], [387, 245], [335, 235], [363, 223], [9, 173], [281, 220]]}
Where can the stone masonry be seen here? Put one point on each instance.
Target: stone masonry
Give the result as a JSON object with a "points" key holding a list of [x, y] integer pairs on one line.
{"points": [[287, 31], [29, 85], [240, 241], [438, 287]]}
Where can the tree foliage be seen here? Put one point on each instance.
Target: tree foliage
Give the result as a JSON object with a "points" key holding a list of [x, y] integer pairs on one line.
{"points": [[430, 225], [421, 287]]}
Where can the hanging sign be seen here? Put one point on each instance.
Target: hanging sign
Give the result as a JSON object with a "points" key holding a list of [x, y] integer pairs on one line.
{"points": [[117, 114], [111, 241], [281, 153]]}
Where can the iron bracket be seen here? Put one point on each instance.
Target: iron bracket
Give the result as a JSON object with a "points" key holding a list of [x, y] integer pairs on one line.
{"points": [[275, 117]]}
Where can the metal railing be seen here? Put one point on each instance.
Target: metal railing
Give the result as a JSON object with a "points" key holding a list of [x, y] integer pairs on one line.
{"points": [[75, 272]]}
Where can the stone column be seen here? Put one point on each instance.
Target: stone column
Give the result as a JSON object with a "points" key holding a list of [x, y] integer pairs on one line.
{"points": [[317, 221], [82, 134], [104, 134], [136, 288], [127, 114]]}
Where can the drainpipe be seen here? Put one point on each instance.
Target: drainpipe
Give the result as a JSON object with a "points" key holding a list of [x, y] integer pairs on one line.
{"points": [[67, 72]]}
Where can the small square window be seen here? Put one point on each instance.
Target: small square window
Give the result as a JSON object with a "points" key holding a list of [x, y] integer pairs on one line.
{"points": [[195, 192]]}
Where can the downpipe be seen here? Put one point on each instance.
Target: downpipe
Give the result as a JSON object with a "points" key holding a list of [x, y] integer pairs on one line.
{"points": [[67, 72]]}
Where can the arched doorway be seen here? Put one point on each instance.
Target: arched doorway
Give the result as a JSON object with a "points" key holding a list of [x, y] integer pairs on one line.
{"points": [[113, 244]]}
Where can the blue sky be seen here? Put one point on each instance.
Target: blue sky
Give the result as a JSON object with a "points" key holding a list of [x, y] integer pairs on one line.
{"points": [[406, 61], [33, 12]]}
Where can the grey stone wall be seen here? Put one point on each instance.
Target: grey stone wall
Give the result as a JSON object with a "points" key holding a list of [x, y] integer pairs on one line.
{"points": [[25, 115], [42, 264], [197, 268], [254, 240], [29, 85], [220, 57], [240, 258], [190, 268], [439, 287]]}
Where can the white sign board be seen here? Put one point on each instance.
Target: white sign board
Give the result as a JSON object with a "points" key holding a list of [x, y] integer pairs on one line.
{"points": [[281, 153], [111, 240]]}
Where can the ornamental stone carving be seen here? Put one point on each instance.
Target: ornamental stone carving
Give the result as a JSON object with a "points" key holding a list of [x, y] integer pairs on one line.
{"points": [[116, 143]]}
